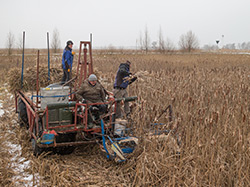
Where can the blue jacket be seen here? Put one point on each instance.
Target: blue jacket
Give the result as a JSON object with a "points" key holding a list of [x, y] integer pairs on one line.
{"points": [[67, 57], [122, 72]]}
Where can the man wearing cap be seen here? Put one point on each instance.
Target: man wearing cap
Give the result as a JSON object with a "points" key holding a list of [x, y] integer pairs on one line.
{"points": [[67, 61], [120, 85], [92, 91]]}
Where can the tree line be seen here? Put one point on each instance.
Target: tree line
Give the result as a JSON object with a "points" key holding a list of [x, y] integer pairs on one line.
{"points": [[188, 42], [12, 43]]}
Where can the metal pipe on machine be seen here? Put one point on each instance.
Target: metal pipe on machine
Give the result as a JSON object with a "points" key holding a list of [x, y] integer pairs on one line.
{"points": [[48, 56], [37, 78], [22, 60]]}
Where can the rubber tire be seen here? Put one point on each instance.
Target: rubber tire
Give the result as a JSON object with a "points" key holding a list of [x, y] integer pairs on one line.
{"points": [[22, 114], [36, 150], [20, 121], [69, 137], [65, 150]]}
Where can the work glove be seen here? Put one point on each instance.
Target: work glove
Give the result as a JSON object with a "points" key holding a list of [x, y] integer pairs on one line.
{"points": [[69, 68], [132, 80]]}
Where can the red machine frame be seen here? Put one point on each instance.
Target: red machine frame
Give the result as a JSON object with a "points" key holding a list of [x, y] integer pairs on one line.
{"points": [[33, 112]]}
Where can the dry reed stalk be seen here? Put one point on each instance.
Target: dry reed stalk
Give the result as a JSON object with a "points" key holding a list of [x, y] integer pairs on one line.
{"points": [[29, 82], [210, 99]]}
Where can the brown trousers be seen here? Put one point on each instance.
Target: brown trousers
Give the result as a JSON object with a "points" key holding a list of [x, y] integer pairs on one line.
{"points": [[118, 93]]}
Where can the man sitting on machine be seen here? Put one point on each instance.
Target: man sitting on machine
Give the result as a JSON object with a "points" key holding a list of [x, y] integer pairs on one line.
{"points": [[91, 91]]}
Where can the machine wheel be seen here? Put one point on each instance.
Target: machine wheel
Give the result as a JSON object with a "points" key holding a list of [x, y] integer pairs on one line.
{"points": [[65, 150], [69, 137], [22, 114], [20, 121], [36, 150]]}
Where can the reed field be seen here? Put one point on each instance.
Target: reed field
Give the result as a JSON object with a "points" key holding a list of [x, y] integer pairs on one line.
{"points": [[210, 97]]}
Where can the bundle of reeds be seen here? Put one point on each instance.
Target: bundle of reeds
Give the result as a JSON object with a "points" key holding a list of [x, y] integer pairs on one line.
{"points": [[29, 77]]}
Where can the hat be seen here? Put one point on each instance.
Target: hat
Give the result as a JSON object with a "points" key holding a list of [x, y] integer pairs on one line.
{"points": [[69, 42], [92, 77], [127, 62]]}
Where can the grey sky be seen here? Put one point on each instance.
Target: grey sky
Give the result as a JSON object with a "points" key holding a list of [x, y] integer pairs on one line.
{"points": [[119, 22]]}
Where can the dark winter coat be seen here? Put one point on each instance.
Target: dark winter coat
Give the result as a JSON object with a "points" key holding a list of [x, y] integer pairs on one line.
{"points": [[93, 94], [67, 58], [123, 72]]}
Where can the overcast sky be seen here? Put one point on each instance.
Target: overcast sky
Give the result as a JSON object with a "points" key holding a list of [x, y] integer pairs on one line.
{"points": [[119, 23]]}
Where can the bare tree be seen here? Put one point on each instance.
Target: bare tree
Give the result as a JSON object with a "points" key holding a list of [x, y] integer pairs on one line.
{"points": [[188, 42], [244, 45], [141, 41], [230, 46], [19, 42], [111, 49], [210, 47], [56, 43], [10, 42], [161, 41], [169, 45], [154, 45], [146, 39]]}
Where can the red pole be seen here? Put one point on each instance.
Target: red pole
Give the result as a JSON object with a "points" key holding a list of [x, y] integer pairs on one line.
{"points": [[82, 66], [77, 70], [85, 61], [90, 55]]}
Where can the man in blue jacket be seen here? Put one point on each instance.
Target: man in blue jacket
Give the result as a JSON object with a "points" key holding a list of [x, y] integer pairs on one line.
{"points": [[120, 85], [67, 61]]}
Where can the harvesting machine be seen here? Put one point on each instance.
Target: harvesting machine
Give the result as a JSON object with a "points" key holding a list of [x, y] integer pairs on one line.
{"points": [[58, 123]]}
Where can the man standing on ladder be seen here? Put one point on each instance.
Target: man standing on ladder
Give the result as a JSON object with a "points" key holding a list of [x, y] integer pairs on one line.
{"points": [[67, 61], [122, 81]]}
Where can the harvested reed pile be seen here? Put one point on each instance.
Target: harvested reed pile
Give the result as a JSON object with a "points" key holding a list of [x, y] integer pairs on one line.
{"points": [[29, 78]]}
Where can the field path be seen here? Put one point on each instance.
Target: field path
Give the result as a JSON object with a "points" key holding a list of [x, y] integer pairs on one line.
{"points": [[19, 165]]}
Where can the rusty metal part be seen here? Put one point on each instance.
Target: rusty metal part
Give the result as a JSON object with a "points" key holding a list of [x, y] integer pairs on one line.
{"points": [[170, 112], [85, 65], [35, 115], [68, 144], [70, 81]]}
